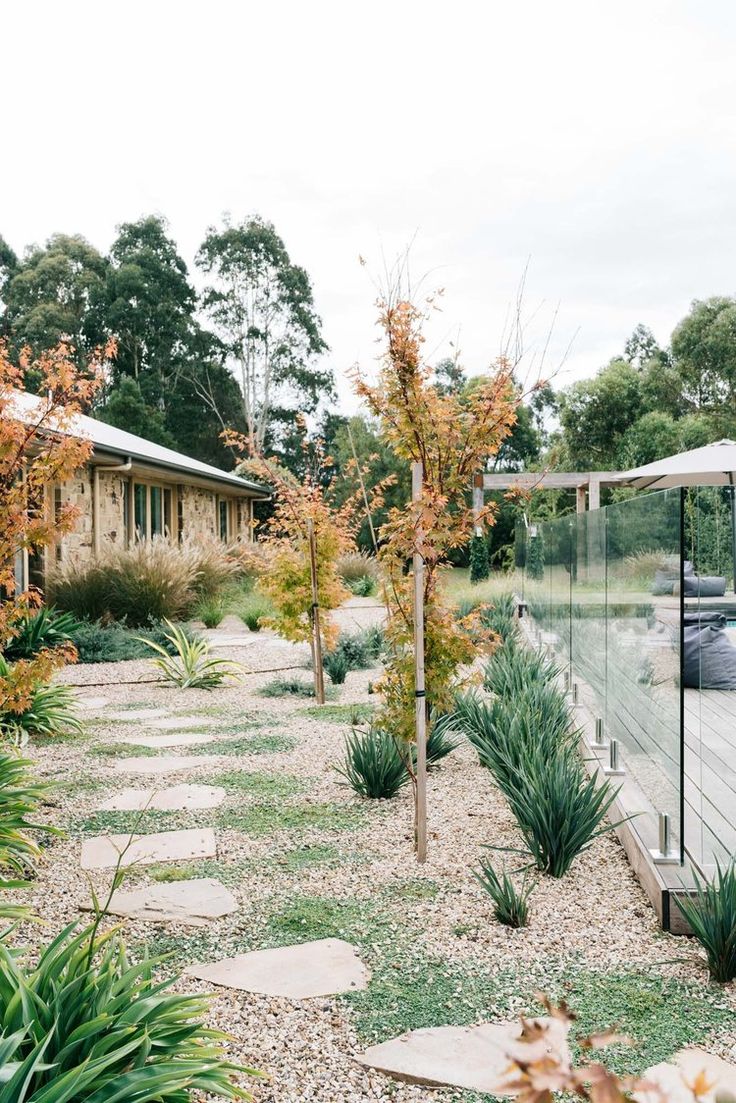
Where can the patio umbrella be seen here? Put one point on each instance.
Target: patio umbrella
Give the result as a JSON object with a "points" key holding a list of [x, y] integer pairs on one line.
{"points": [[712, 465]]}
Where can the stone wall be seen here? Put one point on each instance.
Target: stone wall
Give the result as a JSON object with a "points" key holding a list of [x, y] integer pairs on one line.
{"points": [[198, 512], [198, 515]]}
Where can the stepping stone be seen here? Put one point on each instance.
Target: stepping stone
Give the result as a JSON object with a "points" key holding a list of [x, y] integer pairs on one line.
{"points": [[193, 902], [133, 715], [164, 764], [670, 1079], [173, 739], [164, 846], [177, 798], [91, 704], [177, 723], [301, 972], [476, 1058]]}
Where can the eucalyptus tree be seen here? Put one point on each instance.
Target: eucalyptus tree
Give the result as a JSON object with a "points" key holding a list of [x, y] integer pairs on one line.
{"points": [[262, 307]]}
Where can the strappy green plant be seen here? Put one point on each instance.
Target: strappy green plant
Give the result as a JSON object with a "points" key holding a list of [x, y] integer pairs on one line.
{"points": [[711, 913], [373, 766], [191, 666], [510, 904], [20, 797], [50, 711]]}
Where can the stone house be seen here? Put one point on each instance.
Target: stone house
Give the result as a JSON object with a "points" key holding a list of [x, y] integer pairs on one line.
{"points": [[133, 490]]}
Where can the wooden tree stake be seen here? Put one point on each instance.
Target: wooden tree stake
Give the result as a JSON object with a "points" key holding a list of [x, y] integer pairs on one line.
{"points": [[420, 808], [319, 674]]}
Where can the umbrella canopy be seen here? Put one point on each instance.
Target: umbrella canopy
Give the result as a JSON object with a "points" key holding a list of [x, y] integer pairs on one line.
{"points": [[713, 465]]}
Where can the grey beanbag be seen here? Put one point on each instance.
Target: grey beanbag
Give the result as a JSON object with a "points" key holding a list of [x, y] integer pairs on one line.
{"points": [[709, 660], [701, 619], [705, 586], [668, 576]]}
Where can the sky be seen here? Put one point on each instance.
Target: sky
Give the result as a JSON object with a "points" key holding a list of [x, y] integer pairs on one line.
{"points": [[591, 144]]}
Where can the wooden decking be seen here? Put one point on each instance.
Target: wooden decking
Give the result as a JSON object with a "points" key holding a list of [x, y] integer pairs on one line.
{"points": [[710, 774]]}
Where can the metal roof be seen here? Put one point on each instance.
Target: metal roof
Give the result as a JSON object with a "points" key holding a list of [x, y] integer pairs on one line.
{"points": [[110, 439]]}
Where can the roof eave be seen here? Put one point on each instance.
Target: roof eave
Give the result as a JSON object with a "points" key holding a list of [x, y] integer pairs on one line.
{"points": [[254, 490]]}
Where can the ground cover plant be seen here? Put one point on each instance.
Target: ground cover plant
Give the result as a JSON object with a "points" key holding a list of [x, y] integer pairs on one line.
{"points": [[113, 643]]}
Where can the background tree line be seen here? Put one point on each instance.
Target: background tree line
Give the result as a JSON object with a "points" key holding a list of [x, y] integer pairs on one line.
{"points": [[244, 354]]}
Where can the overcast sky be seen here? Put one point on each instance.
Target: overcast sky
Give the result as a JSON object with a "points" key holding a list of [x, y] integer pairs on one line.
{"points": [[597, 139]]}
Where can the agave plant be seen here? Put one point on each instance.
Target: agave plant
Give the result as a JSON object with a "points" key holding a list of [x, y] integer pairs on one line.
{"points": [[373, 766], [711, 914], [191, 666], [84, 1025]]}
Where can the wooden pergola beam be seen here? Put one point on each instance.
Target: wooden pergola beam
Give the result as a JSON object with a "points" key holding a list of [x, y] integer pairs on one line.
{"points": [[586, 484]]}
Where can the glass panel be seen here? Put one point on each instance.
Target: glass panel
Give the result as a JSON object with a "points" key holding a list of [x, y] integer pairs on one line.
{"points": [[157, 516], [141, 519], [710, 677], [223, 520], [643, 647], [607, 598]]}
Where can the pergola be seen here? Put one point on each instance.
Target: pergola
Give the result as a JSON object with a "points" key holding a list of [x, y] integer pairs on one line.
{"points": [[586, 484]]}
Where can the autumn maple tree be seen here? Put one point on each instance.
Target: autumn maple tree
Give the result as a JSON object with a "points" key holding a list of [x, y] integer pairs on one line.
{"points": [[298, 505], [37, 450], [452, 436]]}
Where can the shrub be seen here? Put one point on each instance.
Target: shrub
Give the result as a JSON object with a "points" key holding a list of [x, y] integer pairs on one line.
{"points": [[500, 615], [504, 730], [559, 809], [336, 665], [212, 565], [114, 643], [42, 628], [440, 741], [191, 667], [355, 566], [373, 766], [102, 1029], [50, 710], [479, 564], [360, 650], [362, 587], [510, 905], [712, 918], [210, 611], [287, 687]]}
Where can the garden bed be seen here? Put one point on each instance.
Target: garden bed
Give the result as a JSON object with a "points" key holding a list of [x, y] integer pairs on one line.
{"points": [[306, 859]]}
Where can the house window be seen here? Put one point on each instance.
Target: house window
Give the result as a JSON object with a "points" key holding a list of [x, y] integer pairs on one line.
{"points": [[157, 512], [152, 510], [140, 495], [223, 518]]}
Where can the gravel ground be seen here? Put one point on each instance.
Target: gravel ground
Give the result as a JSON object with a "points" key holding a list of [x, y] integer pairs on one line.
{"points": [[355, 860]]}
